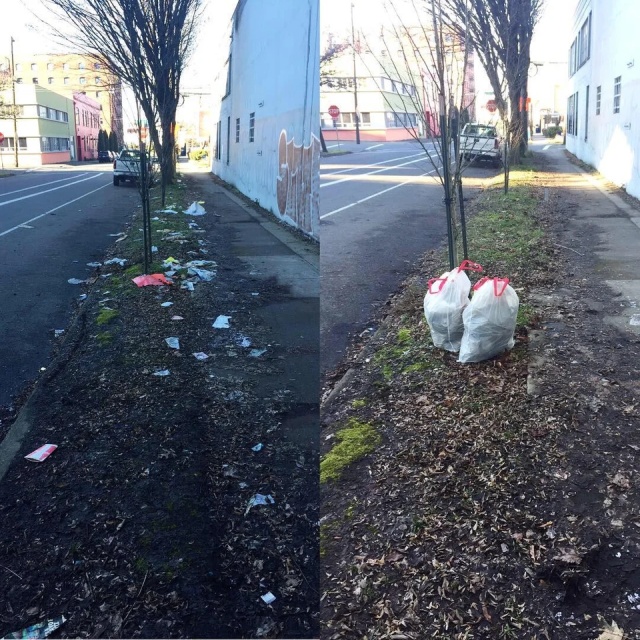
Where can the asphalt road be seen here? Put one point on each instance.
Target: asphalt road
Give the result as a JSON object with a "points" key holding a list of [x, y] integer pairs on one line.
{"points": [[52, 222], [381, 209]]}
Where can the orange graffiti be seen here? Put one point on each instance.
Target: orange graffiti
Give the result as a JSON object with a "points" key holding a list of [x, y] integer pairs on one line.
{"points": [[298, 182]]}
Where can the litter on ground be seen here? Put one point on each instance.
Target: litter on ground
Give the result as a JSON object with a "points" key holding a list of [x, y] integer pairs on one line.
{"points": [[221, 322], [177, 318], [195, 210], [256, 353], [188, 285], [162, 372], [203, 274], [120, 261], [75, 281], [94, 264], [173, 342], [41, 453], [268, 597], [257, 500], [257, 447], [200, 355], [155, 279], [39, 630], [58, 332], [166, 304]]}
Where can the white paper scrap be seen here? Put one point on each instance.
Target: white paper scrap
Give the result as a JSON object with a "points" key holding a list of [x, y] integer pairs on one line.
{"points": [[222, 322]]}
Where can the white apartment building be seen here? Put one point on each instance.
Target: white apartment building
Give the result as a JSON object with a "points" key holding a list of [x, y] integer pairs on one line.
{"points": [[603, 105], [265, 137]]}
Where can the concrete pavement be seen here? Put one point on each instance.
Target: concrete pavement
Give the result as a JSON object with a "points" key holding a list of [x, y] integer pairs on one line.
{"points": [[613, 223]]}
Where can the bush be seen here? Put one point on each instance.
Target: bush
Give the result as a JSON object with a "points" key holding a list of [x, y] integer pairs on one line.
{"points": [[552, 131], [198, 154]]}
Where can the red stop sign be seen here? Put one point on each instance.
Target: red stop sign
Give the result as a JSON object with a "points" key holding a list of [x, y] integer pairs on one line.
{"points": [[334, 112], [492, 106], [1, 138]]}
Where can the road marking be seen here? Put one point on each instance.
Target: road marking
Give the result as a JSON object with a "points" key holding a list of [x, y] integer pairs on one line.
{"points": [[546, 147], [371, 173], [374, 146], [375, 195], [375, 164], [44, 184], [26, 222], [330, 146], [33, 195]]}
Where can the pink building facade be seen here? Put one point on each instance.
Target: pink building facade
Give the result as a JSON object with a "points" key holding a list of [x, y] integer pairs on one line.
{"points": [[87, 117]]}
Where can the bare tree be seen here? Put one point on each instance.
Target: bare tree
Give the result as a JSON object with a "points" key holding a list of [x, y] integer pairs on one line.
{"points": [[425, 63], [146, 43], [500, 32]]}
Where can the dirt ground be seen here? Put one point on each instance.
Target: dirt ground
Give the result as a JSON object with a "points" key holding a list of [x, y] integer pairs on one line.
{"points": [[140, 524], [503, 499]]}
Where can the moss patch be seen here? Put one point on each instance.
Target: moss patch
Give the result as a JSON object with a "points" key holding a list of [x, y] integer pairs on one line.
{"points": [[105, 316], [355, 441]]}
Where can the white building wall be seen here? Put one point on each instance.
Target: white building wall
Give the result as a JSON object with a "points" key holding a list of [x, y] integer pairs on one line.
{"points": [[612, 142], [275, 73]]}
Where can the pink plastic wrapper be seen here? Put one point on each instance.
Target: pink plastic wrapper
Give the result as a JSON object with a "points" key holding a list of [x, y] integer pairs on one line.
{"points": [[155, 279], [42, 453]]}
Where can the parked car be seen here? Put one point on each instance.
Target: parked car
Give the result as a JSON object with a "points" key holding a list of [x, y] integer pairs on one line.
{"points": [[126, 166], [106, 156], [481, 142]]}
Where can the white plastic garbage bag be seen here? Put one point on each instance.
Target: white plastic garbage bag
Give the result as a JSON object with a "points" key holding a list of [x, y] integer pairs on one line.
{"points": [[195, 210], [444, 302], [489, 320]]}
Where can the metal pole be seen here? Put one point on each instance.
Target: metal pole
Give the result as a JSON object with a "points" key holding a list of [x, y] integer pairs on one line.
{"points": [[355, 78], [455, 126], [15, 107]]}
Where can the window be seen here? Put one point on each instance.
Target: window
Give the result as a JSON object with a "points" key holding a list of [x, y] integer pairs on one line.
{"points": [[42, 111], [54, 144], [584, 42], [97, 94], [49, 80], [252, 126], [34, 80], [34, 67], [572, 115], [66, 80], [83, 80], [98, 80], [7, 144], [50, 66], [586, 114], [572, 57], [598, 99], [617, 90], [80, 65], [18, 80], [97, 65], [65, 66], [18, 67], [237, 129]]}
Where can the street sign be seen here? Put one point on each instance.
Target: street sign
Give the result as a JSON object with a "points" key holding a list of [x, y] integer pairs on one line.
{"points": [[492, 106], [334, 112], [1, 138]]}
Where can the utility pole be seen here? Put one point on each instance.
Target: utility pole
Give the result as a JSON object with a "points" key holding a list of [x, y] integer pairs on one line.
{"points": [[15, 107], [355, 78]]}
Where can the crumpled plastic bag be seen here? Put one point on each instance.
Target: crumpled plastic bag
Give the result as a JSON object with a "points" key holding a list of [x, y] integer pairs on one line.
{"points": [[489, 320], [195, 210], [444, 302], [154, 279]]}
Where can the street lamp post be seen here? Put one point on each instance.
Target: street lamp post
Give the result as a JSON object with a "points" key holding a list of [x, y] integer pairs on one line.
{"points": [[355, 78], [15, 107]]}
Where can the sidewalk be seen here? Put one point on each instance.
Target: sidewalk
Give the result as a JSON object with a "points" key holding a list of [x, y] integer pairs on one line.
{"points": [[499, 499], [145, 521]]}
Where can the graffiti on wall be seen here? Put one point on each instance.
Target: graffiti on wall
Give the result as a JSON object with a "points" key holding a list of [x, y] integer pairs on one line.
{"points": [[298, 182]]}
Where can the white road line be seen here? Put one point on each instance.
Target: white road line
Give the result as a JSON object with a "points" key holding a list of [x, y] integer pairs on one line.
{"points": [[370, 173], [330, 146], [34, 195], [22, 224], [43, 184], [375, 195], [375, 164], [546, 147], [374, 146]]}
